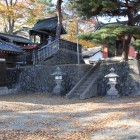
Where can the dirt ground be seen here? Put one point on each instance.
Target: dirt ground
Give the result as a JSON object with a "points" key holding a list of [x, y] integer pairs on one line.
{"points": [[43, 117]]}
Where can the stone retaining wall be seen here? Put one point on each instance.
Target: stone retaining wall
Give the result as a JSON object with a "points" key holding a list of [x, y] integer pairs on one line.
{"points": [[39, 78], [128, 81], [12, 77], [63, 57]]}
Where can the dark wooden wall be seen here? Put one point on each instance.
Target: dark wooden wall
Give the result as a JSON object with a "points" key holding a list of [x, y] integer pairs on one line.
{"points": [[2, 73]]}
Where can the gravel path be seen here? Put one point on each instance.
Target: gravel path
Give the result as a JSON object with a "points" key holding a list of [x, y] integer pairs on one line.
{"points": [[40, 117]]}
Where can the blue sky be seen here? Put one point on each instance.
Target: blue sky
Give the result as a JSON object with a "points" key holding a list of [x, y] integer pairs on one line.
{"points": [[54, 1], [107, 20]]}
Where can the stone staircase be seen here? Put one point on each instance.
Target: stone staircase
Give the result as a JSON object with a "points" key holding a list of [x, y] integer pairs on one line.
{"points": [[87, 86]]}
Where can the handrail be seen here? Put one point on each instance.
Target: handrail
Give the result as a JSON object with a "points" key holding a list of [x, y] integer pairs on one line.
{"points": [[50, 44], [49, 49], [46, 51], [65, 44]]}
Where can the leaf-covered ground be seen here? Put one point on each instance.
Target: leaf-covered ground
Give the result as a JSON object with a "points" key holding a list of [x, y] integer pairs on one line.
{"points": [[40, 117]]}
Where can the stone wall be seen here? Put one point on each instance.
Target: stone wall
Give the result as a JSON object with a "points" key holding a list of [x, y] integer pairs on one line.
{"points": [[63, 57], [128, 81], [12, 77], [39, 78]]}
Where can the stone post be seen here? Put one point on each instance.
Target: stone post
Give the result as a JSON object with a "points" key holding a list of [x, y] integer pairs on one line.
{"points": [[58, 76], [112, 92]]}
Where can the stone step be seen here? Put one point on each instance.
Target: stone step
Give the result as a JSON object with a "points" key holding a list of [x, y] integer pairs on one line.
{"points": [[3, 88], [80, 90], [83, 86], [92, 75], [6, 91], [77, 93], [87, 81]]}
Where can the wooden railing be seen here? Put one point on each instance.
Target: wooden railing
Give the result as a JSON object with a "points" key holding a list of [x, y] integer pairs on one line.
{"points": [[64, 44], [50, 49], [46, 51]]}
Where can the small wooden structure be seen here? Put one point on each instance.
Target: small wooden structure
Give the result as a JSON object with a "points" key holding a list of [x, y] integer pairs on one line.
{"points": [[24, 44], [44, 29], [10, 53], [29, 52]]}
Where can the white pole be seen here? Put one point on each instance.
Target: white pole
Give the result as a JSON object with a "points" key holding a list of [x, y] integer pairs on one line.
{"points": [[78, 59]]}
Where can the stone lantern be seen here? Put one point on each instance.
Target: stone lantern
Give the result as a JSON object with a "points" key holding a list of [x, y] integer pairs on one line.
{"points": [[112, 77], [58, 77]]}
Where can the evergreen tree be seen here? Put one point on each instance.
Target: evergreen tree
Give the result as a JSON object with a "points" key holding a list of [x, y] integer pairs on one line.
{"points": [[113, 8]]}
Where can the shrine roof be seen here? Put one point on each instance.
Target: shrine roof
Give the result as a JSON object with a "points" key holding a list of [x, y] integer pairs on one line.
{"points": [[9, 47], [90, 51], [48, 24], [15, 38]]}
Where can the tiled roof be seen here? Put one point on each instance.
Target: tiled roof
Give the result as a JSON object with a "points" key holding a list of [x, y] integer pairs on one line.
{"points": [[90, 51], [9, 48], [98, 27], [48, 24], [14, 38]]}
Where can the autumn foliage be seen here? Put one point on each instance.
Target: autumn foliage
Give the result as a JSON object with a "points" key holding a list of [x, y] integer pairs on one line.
{"points": [[72, 32], [18, 13]]}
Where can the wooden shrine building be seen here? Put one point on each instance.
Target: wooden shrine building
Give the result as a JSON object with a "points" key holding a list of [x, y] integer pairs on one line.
{"points": [[44, 29], [24, 44], [10, 53], [17, 40]]}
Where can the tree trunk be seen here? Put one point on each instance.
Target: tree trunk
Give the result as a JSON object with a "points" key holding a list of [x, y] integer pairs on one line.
{"points": [[11, 20], [128, 38], [126, 43], [138, 55], [11, 23], [59, 15]]}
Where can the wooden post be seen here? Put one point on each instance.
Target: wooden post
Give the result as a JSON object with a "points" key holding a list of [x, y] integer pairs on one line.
{"points": [[2, 72], [33, 57]]}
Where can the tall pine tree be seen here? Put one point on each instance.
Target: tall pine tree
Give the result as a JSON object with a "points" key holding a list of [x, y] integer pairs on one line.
{"points": [[59, 16], [114, 8]]}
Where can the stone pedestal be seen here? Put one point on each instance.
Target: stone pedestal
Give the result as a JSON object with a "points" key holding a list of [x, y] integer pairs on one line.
{"points": [[57, 89], [58, 74], [112, 92]]}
